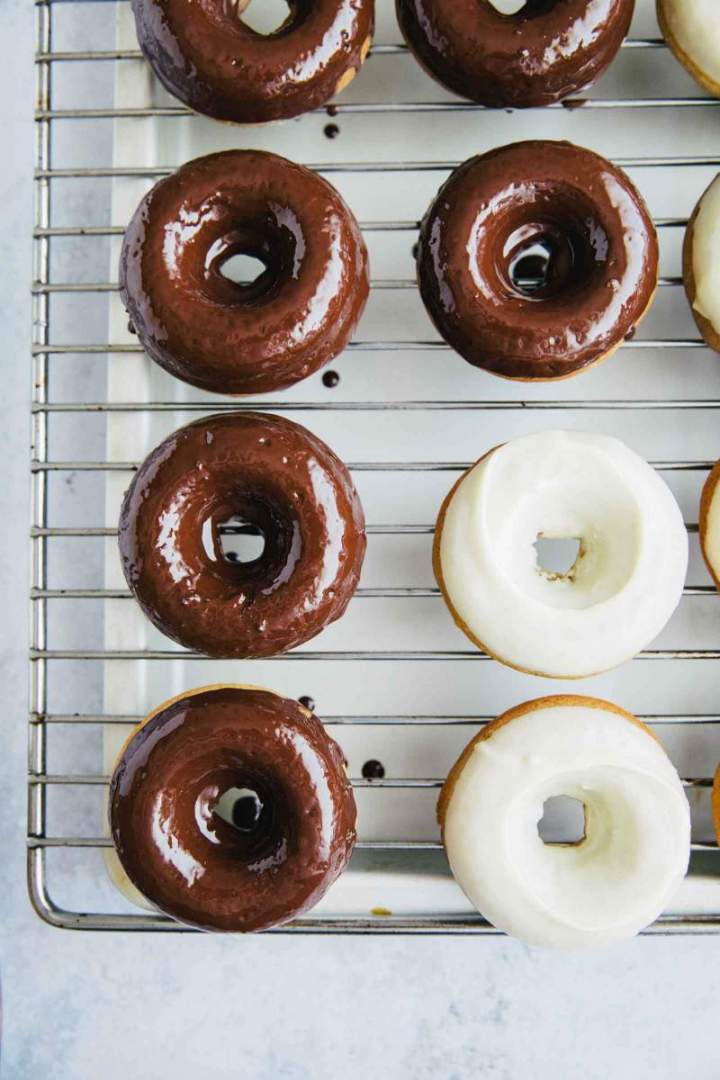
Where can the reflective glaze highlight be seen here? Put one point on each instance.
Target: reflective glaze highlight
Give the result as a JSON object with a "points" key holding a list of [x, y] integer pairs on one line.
{"points": [[495, 211], [547, 50], [190, 862], [264, 471], [243, 338], [205, 55]]}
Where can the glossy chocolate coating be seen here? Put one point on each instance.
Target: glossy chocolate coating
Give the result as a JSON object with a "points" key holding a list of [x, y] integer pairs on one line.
{"points": [[495, 211], [251, 338], [205, 55], [265, 471], [190, 862], [547, 50]]}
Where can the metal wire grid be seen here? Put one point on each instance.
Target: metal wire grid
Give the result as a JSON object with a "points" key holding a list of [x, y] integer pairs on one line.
{"points": [[43, 532]]}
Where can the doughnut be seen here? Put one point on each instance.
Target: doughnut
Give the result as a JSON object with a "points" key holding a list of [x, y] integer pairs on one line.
{"points": [[258, 470], [536, 260], [709, 525], [215, 63], [715, 803], [620, 875], [243, 338], [701, 264], [511, 54], [692, 31], [293, 816], [626, 581]]}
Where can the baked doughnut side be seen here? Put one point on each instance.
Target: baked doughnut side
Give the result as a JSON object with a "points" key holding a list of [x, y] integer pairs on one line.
{"points": [[708, 535], [706, 327], [666, 10]]}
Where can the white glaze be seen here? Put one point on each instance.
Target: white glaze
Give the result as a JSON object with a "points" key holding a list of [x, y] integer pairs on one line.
{"points": [[625, 584], [706, 253], [695, 26], [611, 884]]}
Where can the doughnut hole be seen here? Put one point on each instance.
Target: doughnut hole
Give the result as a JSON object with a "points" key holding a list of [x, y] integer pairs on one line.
{"points": [[540, 259], [247, 264], [563, 820], [582, 882], [595, 530], [250, 540], [523, 8], [542, 248], [243, 808], [247, 810], [243, 813], [234, 254], [558, 558], [241, 541], [265, 17], [242, 269]]}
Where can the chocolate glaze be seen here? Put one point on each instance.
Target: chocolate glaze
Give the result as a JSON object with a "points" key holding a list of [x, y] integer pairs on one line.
{"points": [[269, 472], [549, 49], [243, 338], [205, 55], [501, 208], [275, 863]]}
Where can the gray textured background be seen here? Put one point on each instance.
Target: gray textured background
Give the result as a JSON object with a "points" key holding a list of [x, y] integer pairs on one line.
{"points": [[81, 1007]]}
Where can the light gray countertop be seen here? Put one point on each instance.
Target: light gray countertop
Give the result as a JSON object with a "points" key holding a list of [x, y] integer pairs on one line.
{"points": [[84, 1006]]}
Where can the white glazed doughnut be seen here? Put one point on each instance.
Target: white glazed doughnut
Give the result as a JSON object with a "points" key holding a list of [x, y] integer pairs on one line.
{"points": [[692, 30], [613, 882], [710, 524], [628, 576], [701, 264]]}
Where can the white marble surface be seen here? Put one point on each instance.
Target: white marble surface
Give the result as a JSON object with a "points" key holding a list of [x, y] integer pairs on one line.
{"points": [[84, 1006]]}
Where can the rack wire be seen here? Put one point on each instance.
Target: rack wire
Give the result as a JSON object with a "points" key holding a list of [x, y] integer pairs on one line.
{"points": [[46, 656]]}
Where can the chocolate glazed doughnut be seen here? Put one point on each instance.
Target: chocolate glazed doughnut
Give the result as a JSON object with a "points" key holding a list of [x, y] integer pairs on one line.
{"points": [[243, 338], [542, 53], [537, 259], [292, 809], [249, 470], [205, 55]]}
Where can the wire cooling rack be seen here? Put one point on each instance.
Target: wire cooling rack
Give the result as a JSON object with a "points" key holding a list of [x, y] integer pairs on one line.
{"points": [[397, 684]]}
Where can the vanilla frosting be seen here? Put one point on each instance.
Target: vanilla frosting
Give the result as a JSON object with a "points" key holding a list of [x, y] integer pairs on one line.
{"points": [[706, 250], [625, 583], [695, 26], [634, 855]]}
